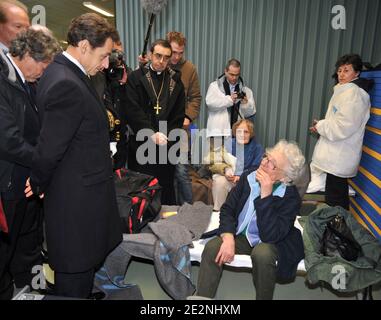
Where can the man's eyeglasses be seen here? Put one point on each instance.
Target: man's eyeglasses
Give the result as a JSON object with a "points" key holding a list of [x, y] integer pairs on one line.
{"points": [[270, 162], [162, 57]]}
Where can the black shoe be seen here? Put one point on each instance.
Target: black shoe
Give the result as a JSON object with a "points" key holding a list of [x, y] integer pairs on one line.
{"points": [[99, 295], [6, 291]]}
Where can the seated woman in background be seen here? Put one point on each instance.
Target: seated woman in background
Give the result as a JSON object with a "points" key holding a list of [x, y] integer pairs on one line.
{"points": [[243, 153], [258, 219]]}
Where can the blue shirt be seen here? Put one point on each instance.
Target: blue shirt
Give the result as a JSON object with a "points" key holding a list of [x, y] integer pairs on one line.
{"points": [[232, 87], [4, 47]]}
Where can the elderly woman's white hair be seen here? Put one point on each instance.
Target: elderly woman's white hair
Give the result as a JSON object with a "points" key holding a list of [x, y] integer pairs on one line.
{"points": [[294, 156]]}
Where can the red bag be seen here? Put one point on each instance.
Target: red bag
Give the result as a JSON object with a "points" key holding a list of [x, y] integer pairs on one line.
{"points": [[138, 196], [3, 219]]}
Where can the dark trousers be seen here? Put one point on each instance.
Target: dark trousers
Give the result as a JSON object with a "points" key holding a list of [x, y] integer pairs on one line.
{"points": [[74, 285], [263, 256], [20, 249], [336, 191], [183, 185]]}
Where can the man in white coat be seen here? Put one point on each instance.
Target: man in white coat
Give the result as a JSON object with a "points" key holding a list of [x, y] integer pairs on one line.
{"points": [[228, 100]]}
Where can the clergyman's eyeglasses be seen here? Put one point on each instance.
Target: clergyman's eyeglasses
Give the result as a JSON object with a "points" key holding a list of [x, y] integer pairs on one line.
{"points": [[162, 57]]}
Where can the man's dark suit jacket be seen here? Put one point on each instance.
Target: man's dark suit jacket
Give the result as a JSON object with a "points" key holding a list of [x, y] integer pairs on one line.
{"points": [[18, 136], [72, 167]]}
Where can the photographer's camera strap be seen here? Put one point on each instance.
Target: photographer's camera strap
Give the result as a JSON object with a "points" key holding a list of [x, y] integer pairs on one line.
{"points": [[234, 110]]}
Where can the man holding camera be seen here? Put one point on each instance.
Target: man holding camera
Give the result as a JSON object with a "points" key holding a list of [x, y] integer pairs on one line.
{"points": [[111, 87], [228, 101]]}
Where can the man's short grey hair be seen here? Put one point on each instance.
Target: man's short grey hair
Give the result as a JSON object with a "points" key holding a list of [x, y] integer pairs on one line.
{"points": [[294, 156], [37, 43], [10, 3]]}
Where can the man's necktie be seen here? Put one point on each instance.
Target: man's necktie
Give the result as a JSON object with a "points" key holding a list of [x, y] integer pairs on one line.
{"points": [[30, 89]]}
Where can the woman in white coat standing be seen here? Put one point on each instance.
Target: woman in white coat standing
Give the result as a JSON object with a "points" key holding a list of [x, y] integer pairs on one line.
{"points": [[338, 151]]}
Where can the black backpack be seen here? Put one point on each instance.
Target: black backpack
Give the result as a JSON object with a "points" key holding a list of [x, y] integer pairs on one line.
{"points": [[338, 240], [138, 196]]}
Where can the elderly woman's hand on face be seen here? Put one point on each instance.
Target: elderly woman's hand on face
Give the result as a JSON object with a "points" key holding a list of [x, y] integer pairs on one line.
{"points": [[266, 182]]}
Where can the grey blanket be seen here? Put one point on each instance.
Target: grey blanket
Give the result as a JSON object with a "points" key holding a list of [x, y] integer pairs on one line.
{"points": [[167, 244]]}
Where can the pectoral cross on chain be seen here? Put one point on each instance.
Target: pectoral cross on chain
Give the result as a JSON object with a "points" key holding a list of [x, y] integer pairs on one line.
{"points": [[157, 108]]}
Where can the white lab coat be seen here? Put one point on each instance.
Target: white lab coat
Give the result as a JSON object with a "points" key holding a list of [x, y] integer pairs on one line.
{"points": [[339, 148]]}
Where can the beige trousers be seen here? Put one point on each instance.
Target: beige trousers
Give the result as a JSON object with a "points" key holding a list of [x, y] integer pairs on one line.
{"points": [[220, 190]]}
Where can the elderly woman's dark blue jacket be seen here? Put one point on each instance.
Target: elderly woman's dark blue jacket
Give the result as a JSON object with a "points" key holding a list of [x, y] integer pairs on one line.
{"points": [[275, 220]]}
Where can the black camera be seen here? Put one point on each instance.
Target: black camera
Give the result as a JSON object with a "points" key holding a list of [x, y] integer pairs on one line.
{"points": [[241, 95], [116, 67]]}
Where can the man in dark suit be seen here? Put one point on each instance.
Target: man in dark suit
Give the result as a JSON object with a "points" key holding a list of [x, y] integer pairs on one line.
{"points": [[72, 163], [20, 243]]}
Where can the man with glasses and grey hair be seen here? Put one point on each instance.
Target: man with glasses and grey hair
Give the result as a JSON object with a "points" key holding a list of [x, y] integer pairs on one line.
{"points": [[29, 55]]}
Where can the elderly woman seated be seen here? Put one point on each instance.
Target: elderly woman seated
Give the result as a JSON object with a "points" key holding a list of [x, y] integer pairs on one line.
{"points": [[258, 220], [228, 163]]}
